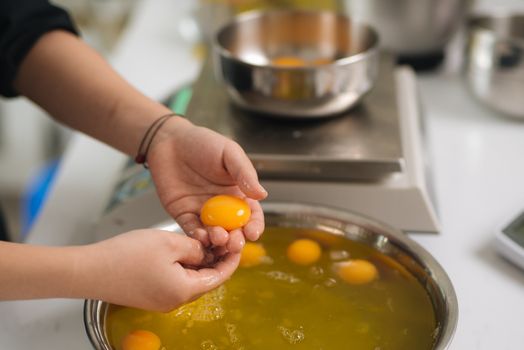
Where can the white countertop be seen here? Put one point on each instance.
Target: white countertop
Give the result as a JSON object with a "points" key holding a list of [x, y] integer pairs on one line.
{"points": [[477, 168]]}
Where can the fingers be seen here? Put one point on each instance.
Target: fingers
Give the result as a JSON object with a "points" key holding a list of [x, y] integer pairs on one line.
{"points": [[191, 225], [255, 226], [236, 241], [188, 251], [231, 242], [206, 279], [218, 236], [242, 171]]}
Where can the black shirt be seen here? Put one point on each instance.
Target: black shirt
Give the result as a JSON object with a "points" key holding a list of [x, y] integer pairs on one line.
{"points": [[22, 23]]}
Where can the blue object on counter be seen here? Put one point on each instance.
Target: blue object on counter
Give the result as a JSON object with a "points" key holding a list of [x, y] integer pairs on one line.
{"points": [[36, 194]]}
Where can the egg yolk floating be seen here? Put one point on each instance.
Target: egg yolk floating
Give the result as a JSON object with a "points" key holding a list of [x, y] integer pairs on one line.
{"points": [[278, 304], [357, 271], [225, 211], [141, 340], [289, 61], [252, 254], [304, 251]]}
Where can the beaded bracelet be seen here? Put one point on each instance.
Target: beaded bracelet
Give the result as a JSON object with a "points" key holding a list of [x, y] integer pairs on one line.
{"points": [[145, 144]]}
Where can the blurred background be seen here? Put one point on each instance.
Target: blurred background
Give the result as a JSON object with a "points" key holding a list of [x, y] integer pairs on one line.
{"points": [[31, 143]]}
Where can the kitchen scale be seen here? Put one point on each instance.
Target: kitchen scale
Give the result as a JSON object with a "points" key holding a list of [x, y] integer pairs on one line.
{"points": [[369, 160]]}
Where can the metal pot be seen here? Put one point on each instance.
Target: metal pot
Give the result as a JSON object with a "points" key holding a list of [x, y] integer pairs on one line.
{"points": [[385, 239], [246, 49], [411, 27], [495, 62]]}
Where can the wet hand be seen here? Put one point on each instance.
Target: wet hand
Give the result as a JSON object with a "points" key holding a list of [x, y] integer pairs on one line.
{"points": [[191, 164], [152, 269]]}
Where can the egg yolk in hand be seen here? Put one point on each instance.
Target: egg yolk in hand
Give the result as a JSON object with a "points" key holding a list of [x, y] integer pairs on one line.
{"points": [[141, 340], [225, 211], [252, 254], [357, 271], [304, 251]]}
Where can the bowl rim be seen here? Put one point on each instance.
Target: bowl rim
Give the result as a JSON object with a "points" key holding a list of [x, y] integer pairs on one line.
{"points": [[254, 14], [483, 24], [336, 221]]}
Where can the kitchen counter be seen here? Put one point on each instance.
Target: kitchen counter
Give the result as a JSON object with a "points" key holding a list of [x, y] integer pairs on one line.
{"points": [[477, 167]]}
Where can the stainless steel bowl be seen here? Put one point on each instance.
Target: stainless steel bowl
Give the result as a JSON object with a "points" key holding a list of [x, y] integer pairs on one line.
{"points": [[385, 239], [495, 62], [245, 51], [411, 27]]}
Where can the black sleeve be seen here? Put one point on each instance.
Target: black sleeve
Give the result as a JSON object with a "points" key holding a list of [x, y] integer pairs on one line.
{"points": [[22, 23]]}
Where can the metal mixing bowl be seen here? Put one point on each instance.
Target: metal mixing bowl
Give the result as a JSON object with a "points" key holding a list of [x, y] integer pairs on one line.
{"points": [[385, 239], [411, 27], [495, 62], [245, 51]]}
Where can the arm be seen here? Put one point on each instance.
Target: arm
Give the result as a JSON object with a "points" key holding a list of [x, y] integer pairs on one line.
{"points": [[109, 271], [189, 164], [79, 88], [28, 272]]}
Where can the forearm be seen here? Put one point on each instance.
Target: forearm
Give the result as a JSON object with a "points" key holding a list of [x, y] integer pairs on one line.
{"points": [[29, 272], [37, 272], [80, 89]]}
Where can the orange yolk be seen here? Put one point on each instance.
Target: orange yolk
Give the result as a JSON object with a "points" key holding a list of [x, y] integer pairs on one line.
{"points": [[304, 251], [357, 271], [288, 61], [141, 340], [225, 211], [252, 254]]}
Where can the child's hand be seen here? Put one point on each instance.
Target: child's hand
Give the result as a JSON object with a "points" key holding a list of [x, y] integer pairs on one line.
{"points": [[150, 269], [190, 164]]}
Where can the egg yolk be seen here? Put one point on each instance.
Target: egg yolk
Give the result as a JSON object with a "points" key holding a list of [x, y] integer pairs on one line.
{"points": [[252, 254], [357, 271], [141, 340], [288, 61], [304, 251], [225, 211]]}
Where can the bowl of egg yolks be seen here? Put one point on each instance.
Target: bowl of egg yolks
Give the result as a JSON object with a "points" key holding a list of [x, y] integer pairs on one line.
{"points": [[317, 278], [296, 63]]}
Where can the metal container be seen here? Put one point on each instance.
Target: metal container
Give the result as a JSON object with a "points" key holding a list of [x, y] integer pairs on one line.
{"points": [[385, 239], [340, 62], [495, 62], [411, 27]]}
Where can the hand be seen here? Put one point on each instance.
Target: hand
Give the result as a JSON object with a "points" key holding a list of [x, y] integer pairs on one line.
{"points": [[190, 164], [149, 269]]}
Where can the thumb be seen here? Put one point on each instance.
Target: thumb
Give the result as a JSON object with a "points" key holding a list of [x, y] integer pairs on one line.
{"points": [[187, 250], [242, 171]]}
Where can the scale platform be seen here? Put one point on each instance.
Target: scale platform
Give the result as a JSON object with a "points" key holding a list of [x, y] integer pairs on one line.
{"points": [[404, 199], [361, 144], [370, 161]]}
